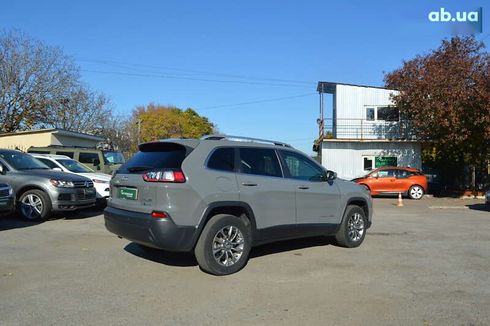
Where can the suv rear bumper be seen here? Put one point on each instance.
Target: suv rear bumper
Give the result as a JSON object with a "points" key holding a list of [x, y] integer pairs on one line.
{"points": [[152, 232]]}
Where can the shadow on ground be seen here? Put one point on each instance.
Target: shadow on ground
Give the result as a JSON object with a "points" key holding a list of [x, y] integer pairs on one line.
{"points": [[13, 221], [187, 259], [479, 207], [80, 214]]}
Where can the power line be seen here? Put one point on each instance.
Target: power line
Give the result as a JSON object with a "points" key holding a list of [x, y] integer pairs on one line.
{"points": [[130, 64], [190, 78], [257, 101]]}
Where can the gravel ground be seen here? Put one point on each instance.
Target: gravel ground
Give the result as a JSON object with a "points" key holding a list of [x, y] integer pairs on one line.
{"points": [[427, 263]]}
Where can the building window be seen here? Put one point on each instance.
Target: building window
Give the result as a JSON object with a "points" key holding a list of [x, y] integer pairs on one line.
{"points": [[368, 163], [388, 113], [370, 114]]}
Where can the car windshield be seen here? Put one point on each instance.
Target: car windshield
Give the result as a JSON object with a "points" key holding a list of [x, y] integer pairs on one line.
{"points": [[21, 161], [113, 157], [74, 166]]}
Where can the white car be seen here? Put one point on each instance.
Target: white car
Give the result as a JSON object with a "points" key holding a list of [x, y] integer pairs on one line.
{"points": [[67, 164]]}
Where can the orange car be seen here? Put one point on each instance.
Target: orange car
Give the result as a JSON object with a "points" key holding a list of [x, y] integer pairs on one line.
{"points": [[392, 180]]}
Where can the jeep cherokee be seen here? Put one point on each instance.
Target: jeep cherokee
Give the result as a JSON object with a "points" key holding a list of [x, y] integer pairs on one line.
{"points": [[220, 195]]}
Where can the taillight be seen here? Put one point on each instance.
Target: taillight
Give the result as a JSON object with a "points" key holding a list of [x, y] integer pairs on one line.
{"points": [[158, 214], [164, 176]]}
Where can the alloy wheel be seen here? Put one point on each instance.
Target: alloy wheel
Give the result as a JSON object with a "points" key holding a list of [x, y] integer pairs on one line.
{"points": [[355, 227], [228, 245], [31, 206]]}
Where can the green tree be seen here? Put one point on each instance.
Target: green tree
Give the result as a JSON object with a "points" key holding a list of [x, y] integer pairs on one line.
{"points": [[446, 96], [160, 122]]}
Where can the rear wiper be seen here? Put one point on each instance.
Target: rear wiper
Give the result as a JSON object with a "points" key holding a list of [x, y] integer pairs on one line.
{"points": [[139, 168]]}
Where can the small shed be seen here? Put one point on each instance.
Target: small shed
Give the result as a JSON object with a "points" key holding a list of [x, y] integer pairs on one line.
{"points": [[44, 137]]}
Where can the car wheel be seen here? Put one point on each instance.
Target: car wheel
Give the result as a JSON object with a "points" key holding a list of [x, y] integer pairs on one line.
{"points": [[416, 192], [224, 245], [352, 231], [34, 205]]}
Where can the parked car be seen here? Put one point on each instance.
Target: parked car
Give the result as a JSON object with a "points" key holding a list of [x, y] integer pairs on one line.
{"points": [[394, 180], [66, 164], [40, 190], [7, 199], [220, 195], [104, 161], [487, 198]]}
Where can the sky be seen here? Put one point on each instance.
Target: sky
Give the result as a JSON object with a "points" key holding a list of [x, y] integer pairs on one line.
{"points": [[251, 67]]}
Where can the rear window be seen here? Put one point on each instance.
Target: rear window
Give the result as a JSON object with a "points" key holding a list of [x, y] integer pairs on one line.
{"points": [[259, 161], [154, 156], [222, 159]]}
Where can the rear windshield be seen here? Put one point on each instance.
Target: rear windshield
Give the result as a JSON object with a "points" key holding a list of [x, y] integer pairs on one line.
{"points": [[155, 156]]}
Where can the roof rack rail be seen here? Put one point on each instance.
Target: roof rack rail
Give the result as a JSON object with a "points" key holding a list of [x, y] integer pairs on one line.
{"points": [[244, 139]]}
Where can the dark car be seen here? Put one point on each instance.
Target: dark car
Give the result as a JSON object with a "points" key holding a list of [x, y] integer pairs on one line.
{"points": [[7, 199], [40, 190]]}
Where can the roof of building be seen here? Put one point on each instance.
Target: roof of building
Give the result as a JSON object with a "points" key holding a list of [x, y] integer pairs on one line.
{"points": [[329, 87], [57, 131], [367, 140]]}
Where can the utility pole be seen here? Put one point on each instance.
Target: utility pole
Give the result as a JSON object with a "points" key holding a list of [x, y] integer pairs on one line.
{"points": [[321, 119], [139, 131]]}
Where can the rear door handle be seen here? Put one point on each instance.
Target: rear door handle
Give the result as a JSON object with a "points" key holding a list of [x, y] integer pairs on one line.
{"points": [[303, 187], [249, 184]]}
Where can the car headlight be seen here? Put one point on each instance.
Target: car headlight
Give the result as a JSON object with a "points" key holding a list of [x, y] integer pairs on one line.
{"points": [[100, 181], [62, 183]]}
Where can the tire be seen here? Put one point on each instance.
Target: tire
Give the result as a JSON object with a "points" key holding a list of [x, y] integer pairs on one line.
{"points": [[100, 203], [229, 236], [352, 231], [34, 205], [416, 192]]}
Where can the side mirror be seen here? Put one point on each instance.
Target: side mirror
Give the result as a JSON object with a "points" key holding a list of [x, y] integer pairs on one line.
{"points": [[96, 162], [57, 169], [2, 170], [330, 175], [375, 175]]}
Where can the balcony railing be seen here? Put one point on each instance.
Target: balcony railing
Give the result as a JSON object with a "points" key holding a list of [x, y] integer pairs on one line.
{"points": [[364, 129]]}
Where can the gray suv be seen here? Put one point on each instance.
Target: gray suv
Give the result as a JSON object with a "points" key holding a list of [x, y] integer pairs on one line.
{"points": [[40, 190], [220, 195]]}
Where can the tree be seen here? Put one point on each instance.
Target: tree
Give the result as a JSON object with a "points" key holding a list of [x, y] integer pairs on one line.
{"points": [[446, 96], [41, 87], [159, 121], [81, 110], [120, 132]]}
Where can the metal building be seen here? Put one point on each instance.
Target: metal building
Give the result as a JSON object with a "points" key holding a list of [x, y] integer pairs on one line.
{"points": [[365, 132]]}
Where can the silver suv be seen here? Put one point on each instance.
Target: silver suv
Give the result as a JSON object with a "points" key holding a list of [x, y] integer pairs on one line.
{"points": [[221, 195], [39, 190]]}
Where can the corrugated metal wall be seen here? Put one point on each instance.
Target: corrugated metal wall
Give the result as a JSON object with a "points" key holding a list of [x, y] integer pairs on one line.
{"points": [[350, 106], [346, 158]]}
